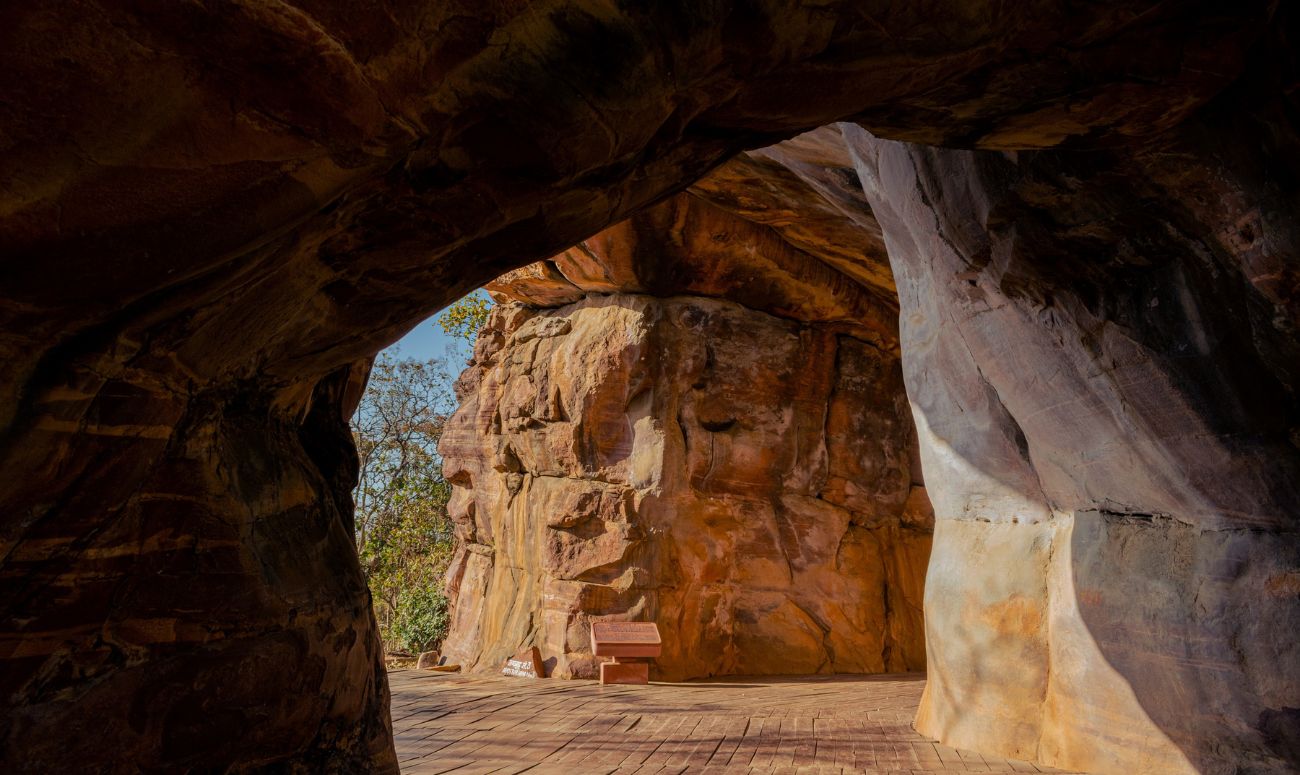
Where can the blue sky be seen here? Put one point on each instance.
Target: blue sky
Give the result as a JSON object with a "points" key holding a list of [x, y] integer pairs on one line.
{"points": [[428, 341]]}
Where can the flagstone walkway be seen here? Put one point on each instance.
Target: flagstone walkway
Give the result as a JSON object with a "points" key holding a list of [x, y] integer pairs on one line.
{"points": [[823, 724]]}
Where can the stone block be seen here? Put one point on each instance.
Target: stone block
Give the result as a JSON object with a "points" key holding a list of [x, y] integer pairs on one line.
{"points": [[633, 673]]}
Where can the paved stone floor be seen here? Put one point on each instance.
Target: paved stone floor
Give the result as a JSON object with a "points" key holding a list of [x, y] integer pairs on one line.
{"points": [[831, 724]]}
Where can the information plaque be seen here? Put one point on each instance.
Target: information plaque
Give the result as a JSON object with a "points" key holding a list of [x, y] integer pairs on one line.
{"points": [[525, 664]]}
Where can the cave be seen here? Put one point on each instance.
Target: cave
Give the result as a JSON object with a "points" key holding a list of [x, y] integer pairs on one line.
{"points": [[1073, 224]]}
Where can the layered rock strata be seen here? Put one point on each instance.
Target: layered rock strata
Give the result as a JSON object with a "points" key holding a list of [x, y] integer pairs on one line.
{"points": [[741, 475]]}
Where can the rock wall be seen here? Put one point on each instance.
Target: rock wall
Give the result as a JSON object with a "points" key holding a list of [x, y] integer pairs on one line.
{"points": [[240, 512], [1101, 355], [743, 479]]}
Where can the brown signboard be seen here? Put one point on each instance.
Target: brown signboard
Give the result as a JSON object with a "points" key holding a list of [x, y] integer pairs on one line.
{"points": [[625, 639], [525, 664]]}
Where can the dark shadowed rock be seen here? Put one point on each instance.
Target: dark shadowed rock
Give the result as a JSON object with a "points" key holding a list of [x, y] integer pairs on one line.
{"points": [[211, 216]]}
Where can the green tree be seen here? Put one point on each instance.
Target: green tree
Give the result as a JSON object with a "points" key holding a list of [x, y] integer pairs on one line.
{"points": [[404, 537], [464, 318]]}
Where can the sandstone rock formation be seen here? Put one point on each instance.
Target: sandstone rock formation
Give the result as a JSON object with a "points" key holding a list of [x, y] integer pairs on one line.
{"points": [[211, 215], [741, 478], [1111, 435], [1108, 413]]}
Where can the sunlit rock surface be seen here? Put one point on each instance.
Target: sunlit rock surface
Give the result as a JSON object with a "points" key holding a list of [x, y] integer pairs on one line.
{"points": [[742, 475], [1109, 437], [1101, 355]]}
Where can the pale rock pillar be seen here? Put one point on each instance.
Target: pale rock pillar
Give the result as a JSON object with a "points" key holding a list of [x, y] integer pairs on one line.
{"points": [[1115, 581]]}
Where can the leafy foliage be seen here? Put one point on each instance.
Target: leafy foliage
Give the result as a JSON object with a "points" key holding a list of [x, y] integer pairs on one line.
{"points": [[421, 619], [404, 536], [464, 318]]}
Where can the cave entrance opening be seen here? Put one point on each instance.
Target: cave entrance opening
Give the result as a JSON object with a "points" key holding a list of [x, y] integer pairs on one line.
{"points": [[403, 537], [696, 417]]}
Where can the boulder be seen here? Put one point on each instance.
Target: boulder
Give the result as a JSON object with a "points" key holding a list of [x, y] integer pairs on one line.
{"points": [[427, 660]]}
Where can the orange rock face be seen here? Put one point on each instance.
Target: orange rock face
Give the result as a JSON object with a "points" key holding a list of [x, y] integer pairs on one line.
{"points": [[738, 478], [741, 475]]}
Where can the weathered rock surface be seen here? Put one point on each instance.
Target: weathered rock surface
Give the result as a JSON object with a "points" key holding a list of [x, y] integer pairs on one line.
{"points": [[427, 659], [1101, 355], [736, 477], [209, 213], [1101, 358], [739, 473]]}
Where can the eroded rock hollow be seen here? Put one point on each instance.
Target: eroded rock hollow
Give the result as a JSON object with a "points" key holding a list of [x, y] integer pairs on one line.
{"points": [[742, 474], [213, 214]]}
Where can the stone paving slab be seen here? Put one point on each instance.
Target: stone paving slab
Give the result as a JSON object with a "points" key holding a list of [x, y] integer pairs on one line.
{"points": [[467, 724]]}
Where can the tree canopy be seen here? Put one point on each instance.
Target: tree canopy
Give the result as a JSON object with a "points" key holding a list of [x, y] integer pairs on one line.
{"points": [[404, 537], [464, 318]]}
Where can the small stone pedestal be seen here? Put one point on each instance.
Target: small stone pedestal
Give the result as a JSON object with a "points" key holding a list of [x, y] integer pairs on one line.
{"points": [[625, 672], [625, 641]]}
